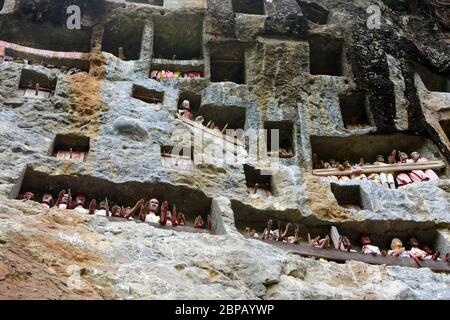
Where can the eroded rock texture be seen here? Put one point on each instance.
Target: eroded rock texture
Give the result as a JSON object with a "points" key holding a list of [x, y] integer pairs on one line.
{"points": [[294, 66]]}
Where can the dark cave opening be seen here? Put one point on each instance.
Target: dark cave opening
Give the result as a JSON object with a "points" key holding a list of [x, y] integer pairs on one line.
{"points": [[123, 38], [280, 138], [381, 232], [2, 3], [445, 125], [354, 109], [189, 201], [194, 101], [147, 95], [70, 147], [34, 84], [348, 196], [256, 180], [227, 64], [433, 81], [326, 56], [233, 117], [178, 37], [352, 148], [45, 36], [248, 6], [314, 12]]}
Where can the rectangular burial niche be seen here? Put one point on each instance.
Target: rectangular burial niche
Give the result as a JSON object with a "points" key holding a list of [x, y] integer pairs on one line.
{"points": [[70, 147], [227, 63], [178, 37], [432, 81], [348, 196], [353, 148], [314, 12], [194, 101], [326, 56], [177, 158], [354, 110], [2, 3], [35, 85], [189, 201], [233, 117], [248, 6], [380, 232], [256, 182], [123, 38], [286, 138], [45, 36], [151, 2], [147, 95]]}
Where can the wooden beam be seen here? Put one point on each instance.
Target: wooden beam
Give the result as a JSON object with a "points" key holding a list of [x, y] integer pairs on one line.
{"points": [[342, 256], [382, 168], [210, 131]]}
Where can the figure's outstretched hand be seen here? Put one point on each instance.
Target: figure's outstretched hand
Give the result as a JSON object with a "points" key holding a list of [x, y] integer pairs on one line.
{"points": [[92, 206], [107, 207], [146, 208], [61, 194], [174, 216]]}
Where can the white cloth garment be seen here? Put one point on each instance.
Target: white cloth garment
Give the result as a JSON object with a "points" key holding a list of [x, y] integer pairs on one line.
{"points": [[151, 217], [370, 249], [81, 210], [101, 212]]}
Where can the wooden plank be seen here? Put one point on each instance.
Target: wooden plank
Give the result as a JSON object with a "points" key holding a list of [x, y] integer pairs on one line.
{"points": [[382, 168], [210, 131], [342, 256]]}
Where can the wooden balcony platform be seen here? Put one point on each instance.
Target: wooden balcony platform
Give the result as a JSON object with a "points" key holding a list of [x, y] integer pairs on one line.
{"points": [[342, 256]]}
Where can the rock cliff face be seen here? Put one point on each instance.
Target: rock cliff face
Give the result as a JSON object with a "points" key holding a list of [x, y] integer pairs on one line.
{"points": [[307, 68]]}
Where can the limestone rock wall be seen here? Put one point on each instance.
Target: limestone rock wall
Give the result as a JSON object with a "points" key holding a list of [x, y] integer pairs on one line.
{"points": [[131, 260]]}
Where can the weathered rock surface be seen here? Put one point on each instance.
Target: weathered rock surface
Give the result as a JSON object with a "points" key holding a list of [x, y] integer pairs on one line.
{"points": [[59, 254]]}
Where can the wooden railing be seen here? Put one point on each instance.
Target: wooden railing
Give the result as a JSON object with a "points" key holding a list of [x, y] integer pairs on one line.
{"points": [[382, 168], [342, 256]]}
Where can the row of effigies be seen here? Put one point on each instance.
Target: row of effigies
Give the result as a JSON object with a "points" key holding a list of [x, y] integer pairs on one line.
{"points": [[415, 250], [149, 211], [389, 179], [171, 74]]}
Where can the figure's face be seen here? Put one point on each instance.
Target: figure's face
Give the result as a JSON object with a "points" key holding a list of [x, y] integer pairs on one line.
{"points": [[380, 158], [186, 104], [65, 199], [102, 205], [80, 199], [154, 205], [47, 198], [396, 244], [28, 196], [427, 249], [115, 211], [413, 242], [365, 241], [415, 156]]}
